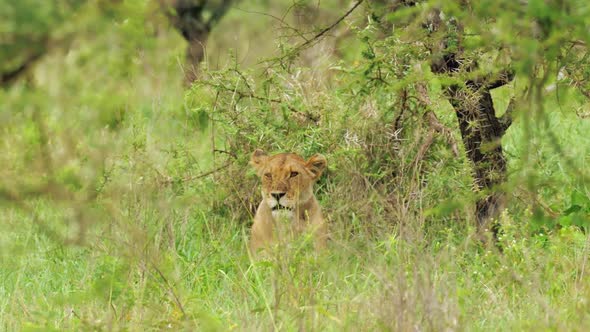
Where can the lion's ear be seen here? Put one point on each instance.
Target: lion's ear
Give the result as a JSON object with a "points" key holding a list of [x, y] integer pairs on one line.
{"points": [[258, 159], [316, 165]]}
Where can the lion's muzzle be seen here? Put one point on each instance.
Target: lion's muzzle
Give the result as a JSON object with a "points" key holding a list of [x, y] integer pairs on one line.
{"points": [[278, 202]]}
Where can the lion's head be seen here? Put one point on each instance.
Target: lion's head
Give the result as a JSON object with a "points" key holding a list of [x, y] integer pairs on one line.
{"points": [[287, 178]]}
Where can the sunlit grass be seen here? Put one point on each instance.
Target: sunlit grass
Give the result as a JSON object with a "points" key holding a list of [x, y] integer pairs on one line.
{"points": [[207, 280]]}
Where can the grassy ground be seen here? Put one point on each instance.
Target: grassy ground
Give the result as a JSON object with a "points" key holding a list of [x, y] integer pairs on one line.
{"points": [[204, 279], [156, 250]]}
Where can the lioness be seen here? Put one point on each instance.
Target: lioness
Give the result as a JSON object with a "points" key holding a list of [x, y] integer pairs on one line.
{"points": [[288, 201]]}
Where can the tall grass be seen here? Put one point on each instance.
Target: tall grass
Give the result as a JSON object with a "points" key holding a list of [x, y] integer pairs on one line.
{"points": [[205, 280]]}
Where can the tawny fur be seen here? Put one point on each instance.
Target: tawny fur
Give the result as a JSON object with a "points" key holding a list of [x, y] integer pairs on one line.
{"points": [[288, 207]]}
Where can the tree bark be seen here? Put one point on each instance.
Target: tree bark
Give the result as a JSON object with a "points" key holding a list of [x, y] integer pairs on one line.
{"points": [[191, 22], [481, 130]]}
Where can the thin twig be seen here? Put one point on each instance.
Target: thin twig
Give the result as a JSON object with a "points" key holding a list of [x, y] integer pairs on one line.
{"points": [[170, 180], [213, 134], [170, 289], [324, 31], [251, 95], [297, 49], [281, 20], [231, 154], [506, 118]]}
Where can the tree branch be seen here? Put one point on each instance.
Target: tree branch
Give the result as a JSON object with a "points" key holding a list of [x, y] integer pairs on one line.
{"points": [[169, 180], [218, 13], [506, 76], [320, 34], [240, 94], [506, 118], [10, 77], [324, 31]]}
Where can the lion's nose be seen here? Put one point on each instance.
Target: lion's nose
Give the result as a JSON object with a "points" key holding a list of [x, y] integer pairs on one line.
{"points": [[277, 196]]}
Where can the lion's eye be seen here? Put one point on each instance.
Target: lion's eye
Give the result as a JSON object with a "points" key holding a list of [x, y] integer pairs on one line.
{"points": [[268, 176], [294, 174]]}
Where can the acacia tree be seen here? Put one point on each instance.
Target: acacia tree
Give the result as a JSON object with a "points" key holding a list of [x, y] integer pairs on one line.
{"points": [[477, 46], [468, 49], [481, 130]]}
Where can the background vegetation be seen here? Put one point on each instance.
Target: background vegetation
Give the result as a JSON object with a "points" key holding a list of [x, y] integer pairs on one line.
{"points": [[126, 197]]}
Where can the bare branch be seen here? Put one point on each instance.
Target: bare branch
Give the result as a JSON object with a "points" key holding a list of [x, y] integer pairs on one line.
{"points": [[506, 118], [506, 76], [297, 49], [170, 289], [435, 127], [240, 94], [169, 180], [11, 76], [324, 31], [446, 132], [30, 60]]}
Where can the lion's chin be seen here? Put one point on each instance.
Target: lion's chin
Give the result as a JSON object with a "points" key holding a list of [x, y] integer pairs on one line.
{"points": [[282, 214]]}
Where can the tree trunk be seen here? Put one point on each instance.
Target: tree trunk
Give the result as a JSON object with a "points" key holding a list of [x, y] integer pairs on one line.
{"points": [[481, 130], [190, 23], [190, 20], [195, 54]]}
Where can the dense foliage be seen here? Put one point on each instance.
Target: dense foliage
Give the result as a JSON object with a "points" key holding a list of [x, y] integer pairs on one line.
{"points": [[126, 196]]}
